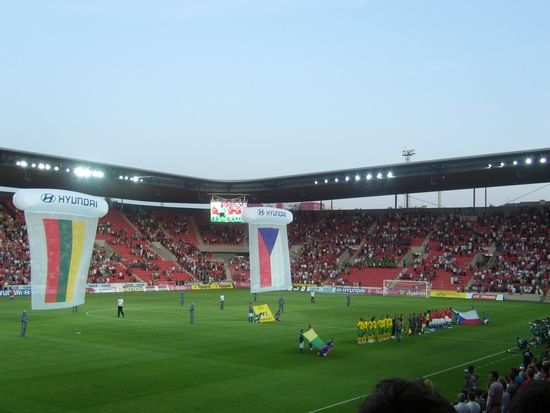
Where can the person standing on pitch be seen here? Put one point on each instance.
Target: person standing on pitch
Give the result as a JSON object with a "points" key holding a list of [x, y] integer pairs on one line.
{"points": [[254, 295], [120, 306], [312, 297], [301, 341], [398, 328], [192, 313], [281, 304], [182, 299], [222, 301], [24, 321], [250, 313], [348, 299]]}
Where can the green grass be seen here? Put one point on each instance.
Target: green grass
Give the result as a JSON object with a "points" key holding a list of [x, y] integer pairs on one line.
{"points": [[154, 360]]}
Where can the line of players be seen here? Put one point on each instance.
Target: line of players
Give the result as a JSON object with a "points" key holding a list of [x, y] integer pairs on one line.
{"points": [[392, 326]]}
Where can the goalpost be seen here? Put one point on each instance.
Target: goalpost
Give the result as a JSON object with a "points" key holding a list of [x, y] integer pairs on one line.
{"points": [[407, 288]]}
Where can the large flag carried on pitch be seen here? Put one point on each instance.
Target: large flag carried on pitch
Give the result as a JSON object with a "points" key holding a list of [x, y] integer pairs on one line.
{"points": [[61, 226], [313, 338], [264, 312], [467, 317], [268, 244]]}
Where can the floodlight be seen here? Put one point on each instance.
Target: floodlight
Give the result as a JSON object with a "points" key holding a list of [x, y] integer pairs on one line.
{"points": [[82, 172]]}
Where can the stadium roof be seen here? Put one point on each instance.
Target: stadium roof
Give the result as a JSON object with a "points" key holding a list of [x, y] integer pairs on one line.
{"points": [[33, 170]]}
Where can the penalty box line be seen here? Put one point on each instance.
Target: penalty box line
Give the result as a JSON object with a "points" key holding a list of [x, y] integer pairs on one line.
{"points": [[424, 377]]}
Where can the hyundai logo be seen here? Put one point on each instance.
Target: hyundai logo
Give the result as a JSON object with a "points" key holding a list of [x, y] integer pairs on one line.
{"points": [[47, 198], [260, 212]]}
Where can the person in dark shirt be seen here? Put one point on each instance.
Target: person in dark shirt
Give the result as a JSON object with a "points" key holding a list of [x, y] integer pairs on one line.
{"points": [[522, 343], [250, 313], [527, 357], [24, 321], [192, 313], [326, 348]]}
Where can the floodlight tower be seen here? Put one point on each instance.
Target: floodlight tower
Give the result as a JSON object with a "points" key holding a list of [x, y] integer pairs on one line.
{"points": [[408, 154]]}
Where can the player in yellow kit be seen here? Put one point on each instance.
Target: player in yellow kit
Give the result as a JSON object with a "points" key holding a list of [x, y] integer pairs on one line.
{"points": [[360, 330]]}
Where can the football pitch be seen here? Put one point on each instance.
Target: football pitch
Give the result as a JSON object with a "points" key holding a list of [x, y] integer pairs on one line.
{"points": [[155, 360]]}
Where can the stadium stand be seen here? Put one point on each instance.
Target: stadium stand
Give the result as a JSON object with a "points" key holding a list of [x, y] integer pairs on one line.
{"points": [[14, 250], [501, 250]]}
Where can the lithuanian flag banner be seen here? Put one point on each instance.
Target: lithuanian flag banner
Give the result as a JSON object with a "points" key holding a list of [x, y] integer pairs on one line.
{"points": [[61, 250], [65, 245], [61, 226], [313, 338], [265, 313]]}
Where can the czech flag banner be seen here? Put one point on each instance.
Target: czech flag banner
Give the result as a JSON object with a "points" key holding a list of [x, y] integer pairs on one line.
{"points": [[61, 227], [467, 317], [268, 245]]}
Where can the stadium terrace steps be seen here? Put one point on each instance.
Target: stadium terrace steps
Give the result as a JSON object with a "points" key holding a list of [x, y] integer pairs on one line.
{"points": [[120, 223], [163, 252], [442, 280], [190, 236]]}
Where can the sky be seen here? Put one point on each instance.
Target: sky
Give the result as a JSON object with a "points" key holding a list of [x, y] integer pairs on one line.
{"points": [[244, 89]]}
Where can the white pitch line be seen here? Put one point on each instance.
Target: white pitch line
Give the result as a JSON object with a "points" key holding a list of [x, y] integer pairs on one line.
{"points": [[466, 363], [426, 376], [337, 404]]}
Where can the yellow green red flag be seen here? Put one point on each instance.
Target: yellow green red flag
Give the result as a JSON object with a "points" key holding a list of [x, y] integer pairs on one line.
{"points": [[313, 338]]}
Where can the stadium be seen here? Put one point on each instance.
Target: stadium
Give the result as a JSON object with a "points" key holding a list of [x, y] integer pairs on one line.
{"points": [[274, 206], [388, 263]]}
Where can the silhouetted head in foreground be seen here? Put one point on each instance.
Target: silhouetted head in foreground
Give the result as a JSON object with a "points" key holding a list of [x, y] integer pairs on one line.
{"points": [[404, 396], [534, 397]]}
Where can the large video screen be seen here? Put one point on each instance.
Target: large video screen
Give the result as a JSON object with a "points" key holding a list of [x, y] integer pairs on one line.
{"points": [[226, 211]]}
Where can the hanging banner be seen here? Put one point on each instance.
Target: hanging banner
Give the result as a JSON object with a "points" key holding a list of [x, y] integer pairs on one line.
{"points": [[268, 245], [61, 227]]}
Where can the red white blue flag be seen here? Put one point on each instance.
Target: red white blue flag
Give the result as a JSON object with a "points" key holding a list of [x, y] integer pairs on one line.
{"points": [[467, 317], [268, 243]]}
